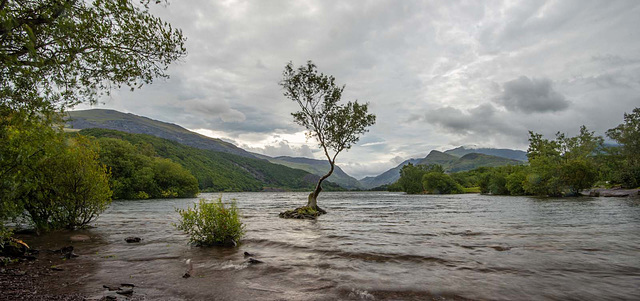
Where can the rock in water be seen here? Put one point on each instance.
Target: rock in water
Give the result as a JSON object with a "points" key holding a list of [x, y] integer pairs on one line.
{"points": [[302, 213], [80, 238], [132, 239], [255, 261], [247, 254]]}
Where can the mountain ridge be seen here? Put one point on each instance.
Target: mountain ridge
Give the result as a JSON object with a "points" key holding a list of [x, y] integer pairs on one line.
{"points": [[449, 162], [135, 124]]}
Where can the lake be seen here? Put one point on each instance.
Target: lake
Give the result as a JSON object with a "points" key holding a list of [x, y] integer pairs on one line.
{"points": [[378, 246]]}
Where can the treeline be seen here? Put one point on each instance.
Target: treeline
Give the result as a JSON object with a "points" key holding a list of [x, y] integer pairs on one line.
{"points": [[557, 167]]}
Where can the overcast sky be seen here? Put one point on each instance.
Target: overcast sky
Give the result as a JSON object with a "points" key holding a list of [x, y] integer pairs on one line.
{"points": [[438, 74]]}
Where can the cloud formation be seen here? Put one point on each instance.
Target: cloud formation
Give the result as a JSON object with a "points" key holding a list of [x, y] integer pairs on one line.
{"points": [[437, 74], [534, 95]]}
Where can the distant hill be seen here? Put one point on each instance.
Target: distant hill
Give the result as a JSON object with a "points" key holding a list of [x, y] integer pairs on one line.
{"points": [[473, 161], [450, 163], [440, 158], [317, 167], [386, 177], [130, 123], [498, 152], [218, 171]]}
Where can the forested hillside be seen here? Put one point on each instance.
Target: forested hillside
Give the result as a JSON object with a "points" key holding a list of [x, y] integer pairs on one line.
{"points": [[217, 171]]}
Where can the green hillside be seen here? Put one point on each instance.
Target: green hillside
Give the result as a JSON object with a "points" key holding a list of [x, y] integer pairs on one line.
{"points": [[498, 152], [218, 171], [440, 158], [473, 161], [449, 162], [130, 123]]}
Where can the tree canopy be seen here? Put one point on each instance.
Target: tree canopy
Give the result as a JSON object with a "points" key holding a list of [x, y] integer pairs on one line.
{"points": [[336, 127], [57, 53]]}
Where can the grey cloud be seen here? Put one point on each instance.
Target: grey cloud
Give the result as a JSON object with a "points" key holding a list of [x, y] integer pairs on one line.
{"points": [[397, 160], [482, 120], [212, 108], [531, 96]]}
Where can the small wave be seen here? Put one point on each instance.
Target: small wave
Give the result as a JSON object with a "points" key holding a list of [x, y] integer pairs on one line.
{"points": [[365, 256], [360, 295], [229, 265]]}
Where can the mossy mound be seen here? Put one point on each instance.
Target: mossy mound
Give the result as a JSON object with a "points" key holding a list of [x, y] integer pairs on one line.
{"points": [[305, 212]]}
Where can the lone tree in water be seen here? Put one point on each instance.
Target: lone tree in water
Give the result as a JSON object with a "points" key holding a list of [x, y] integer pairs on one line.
{"points": [[336, 127]]}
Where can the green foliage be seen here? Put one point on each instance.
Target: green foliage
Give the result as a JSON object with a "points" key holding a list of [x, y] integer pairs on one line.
{"points": [[66, 188], [440, 183], [56, 182], [211, 223], [138, 174], [626, 169], [563, 165], [411, 178], [431, 178], [336, 127], [62, 52], [214, 171]]}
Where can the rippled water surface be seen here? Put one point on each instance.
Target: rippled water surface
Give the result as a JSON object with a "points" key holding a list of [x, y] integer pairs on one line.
{"points": [[376, 246]]}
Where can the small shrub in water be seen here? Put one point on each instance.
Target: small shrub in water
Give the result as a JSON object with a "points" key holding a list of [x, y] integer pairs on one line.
{"points": [[211, 223]]}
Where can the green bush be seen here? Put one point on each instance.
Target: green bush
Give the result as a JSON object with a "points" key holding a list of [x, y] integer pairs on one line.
{"points": [[440, 183], [211, 223]]}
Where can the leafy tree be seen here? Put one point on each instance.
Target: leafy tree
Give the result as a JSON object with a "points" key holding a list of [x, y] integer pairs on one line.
{"points": [[578, 174], [515, 180], [81, 184], [26, 141], [336, 127], [411, 178], [56, 53], [440, 183], [174, 180], [627, 134], [563, 164], [63, 186]]}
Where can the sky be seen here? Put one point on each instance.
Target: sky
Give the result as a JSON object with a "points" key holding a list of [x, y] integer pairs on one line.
{"points": [[437, 74]]}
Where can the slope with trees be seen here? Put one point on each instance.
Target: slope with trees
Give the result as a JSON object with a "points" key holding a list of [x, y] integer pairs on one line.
{"points": [[216, 171], [130, 123]]}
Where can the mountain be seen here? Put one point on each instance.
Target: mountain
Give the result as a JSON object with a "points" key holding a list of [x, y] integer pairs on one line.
{"points": [[317, 167], [134, 124], [474, 160], [450, 163], [386, 177], [440, 158], [218, 171], [498, 152]]}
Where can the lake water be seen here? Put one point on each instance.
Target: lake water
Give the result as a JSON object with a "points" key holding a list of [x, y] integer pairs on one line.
{"points": [[380, 246]]}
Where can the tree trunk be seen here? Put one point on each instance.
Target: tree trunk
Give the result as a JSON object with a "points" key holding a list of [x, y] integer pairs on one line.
{"points": [[313, 197]]}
